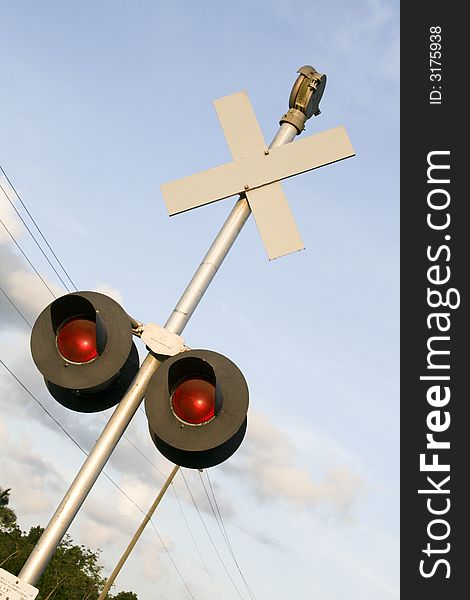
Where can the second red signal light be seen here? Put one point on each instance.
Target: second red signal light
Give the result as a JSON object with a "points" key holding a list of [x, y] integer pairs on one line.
{"points": [[196, 405], [193, 401]]}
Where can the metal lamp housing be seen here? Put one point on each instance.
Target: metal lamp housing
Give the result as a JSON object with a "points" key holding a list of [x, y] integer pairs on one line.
{"points": [[100, 383], [207, 444]]}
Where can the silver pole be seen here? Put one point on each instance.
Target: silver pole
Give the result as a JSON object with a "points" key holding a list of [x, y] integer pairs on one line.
{"points": [[88, 474], [94, 464]]}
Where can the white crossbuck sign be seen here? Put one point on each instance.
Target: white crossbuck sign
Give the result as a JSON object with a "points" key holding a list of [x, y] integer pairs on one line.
{"points": [[256, 171]]}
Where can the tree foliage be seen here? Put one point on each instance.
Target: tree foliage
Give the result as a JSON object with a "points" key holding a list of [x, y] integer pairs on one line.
{"points": [[7, 515], [73, 573]]}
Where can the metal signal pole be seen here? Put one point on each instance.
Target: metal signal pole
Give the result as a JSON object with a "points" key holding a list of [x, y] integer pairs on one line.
{"points": [[106, 443]]}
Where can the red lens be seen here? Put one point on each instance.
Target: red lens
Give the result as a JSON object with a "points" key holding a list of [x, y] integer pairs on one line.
{"points": [[193, 401], [76, 340]]}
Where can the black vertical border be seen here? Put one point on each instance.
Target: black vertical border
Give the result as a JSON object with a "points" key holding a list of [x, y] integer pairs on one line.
{"points": [[426, 128]]}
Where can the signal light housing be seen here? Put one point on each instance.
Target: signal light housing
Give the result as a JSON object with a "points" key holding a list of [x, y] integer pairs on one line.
{"points": [[196, 405], [82, 344]]}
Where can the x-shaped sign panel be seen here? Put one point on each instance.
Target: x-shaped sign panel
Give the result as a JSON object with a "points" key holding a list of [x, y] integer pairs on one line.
{"points": [[257, 172]]}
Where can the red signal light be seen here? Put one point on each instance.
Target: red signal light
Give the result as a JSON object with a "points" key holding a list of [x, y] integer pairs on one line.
{"points": [[197, 404], [76, 340], [193, 401]]}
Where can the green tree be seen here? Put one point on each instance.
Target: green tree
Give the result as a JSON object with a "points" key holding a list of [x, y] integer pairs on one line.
{"points": [[72, 574], [7, 515]]}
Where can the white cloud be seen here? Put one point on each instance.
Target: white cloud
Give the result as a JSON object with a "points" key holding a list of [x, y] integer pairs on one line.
{"points": [[24, 288], [268, 461], [108, 520], [153, 562], [30, 477], [108, 290], [28, 292]]}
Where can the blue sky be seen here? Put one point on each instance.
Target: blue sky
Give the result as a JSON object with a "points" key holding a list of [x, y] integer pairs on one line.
{"points": [[101, 103]]}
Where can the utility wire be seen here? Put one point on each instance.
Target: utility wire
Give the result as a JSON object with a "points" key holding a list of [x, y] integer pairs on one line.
{"points": [[171, 558], [225, 534], [181, 509], [180, 506], [37, 227], [216, 517], [30, 263], [35, 240], [104, 472], [194, 541], [210, 537], [127, 496], [70, 437], [139, 451], [15, 307], [59, 424], [32, 395], [43, 407]]}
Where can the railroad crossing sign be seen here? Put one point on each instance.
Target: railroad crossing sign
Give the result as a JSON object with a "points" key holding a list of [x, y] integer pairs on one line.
{"points": [[256, 172]]}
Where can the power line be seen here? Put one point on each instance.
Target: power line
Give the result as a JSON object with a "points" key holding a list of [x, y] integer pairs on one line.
{"points": [[15, 307], [43, 407], [35, 398], [30, 263], [212, 508], [181, 509], [225, 534], [194, 541], [35, 240], [140, 451], [104, 472], [171, 558], [210, 537], [37, 227], [60, 425], [135, 538], [64, 430]]}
